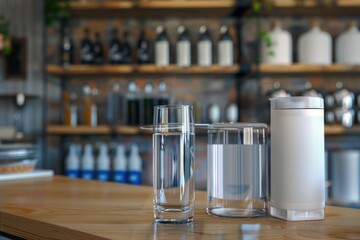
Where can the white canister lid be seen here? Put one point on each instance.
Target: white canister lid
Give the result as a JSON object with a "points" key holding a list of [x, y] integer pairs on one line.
{"points": [[305, 102]]}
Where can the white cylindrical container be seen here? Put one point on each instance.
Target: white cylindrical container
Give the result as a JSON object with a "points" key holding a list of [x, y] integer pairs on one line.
{"points": [[315, 47], [347, 47], [280, 49], [297, 158]]}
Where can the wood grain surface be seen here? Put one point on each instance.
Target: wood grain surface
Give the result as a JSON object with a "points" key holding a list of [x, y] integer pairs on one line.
{"points": [[62, 208]]}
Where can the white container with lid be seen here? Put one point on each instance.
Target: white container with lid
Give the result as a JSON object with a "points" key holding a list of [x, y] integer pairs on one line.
{"points": [[315, 47], [280, 49], [347, 47], [297, 158]]}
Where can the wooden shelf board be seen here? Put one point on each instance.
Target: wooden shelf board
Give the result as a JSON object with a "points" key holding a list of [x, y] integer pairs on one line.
{"points": [[311, 3], [130, 130], [290, 3], [190, 70], [80, 69], [81, 130], [200, 4], [86, 130], [154, 9], [103, 5], [133, 130], [140, 69], [311, 8], [340, 130], [304, 68], [348, 3]]}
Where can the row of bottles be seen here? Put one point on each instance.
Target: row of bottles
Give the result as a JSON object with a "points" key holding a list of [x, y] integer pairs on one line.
{"points": [[121, 52], [134, 106], [118, 169], [313, 47], [342, 106]]}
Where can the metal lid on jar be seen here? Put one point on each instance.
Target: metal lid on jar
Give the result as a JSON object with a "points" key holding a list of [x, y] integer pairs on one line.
{"points": [[305, 102]]}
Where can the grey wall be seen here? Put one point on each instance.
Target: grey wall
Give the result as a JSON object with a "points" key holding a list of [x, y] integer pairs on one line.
{"points": [[26, 21]]}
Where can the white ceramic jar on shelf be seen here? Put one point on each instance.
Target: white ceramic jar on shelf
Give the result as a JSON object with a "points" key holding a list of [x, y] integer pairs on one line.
{"points": [[315, 47], [347, 47], [280, 49]]}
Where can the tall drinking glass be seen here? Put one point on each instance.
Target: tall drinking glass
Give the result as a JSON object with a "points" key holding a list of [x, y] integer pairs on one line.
{"points": [[173, 164]]}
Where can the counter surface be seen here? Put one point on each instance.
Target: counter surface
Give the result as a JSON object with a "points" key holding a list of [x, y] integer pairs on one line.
{"points": [[63, 208]]}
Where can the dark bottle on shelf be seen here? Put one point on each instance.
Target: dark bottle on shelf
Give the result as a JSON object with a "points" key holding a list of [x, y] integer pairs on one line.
{"points": [[163, 95], [87, 48], [225, 48], [183, 48], [162, 47], [98, 50], [67, 48], [204, 47], [133, 105], [127, 51], [149, 103], [143, 51], [115, 48]]}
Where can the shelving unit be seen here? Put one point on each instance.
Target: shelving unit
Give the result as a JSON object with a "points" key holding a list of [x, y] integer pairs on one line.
{"points": [[154, 8], [137, 69], [87, 130], [133, 130], [307, 69], [311, 8]]}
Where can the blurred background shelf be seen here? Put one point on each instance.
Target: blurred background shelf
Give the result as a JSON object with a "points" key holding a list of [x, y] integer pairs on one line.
{"points": [[311, 8], [86, 130], [155, 9], [305, 69], [81, 69], [134, 130]]}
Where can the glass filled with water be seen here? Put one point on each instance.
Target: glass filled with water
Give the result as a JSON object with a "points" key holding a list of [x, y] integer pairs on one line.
{"points": [[237, 170], [173, 164]]}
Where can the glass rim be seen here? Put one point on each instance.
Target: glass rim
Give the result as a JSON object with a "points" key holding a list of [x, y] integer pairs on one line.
{"points": [[172, 106]]}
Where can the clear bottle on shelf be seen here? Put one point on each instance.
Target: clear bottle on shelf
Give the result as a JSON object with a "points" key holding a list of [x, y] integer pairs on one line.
{"points": [[162, 94], [162, 47], [148, 103], [183, 47], [87, 163], [115, 48], [90, 107], [204, 47], [72, 167], [133, 104], [116, 105], [134, 176], [103, 164], [120, 165], [225, 48], [71, 109]]}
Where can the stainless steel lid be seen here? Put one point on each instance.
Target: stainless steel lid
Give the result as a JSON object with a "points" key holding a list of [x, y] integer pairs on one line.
{"points": [[297, 103]]}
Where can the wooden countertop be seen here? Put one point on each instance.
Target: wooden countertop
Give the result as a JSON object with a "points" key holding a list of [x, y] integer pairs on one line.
{"points": [[62, 208]]}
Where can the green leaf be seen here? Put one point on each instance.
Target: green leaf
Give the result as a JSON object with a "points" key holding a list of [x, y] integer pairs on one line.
{"points": [[271, 53], [268, 40], [256, 6], [6, 51]]}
